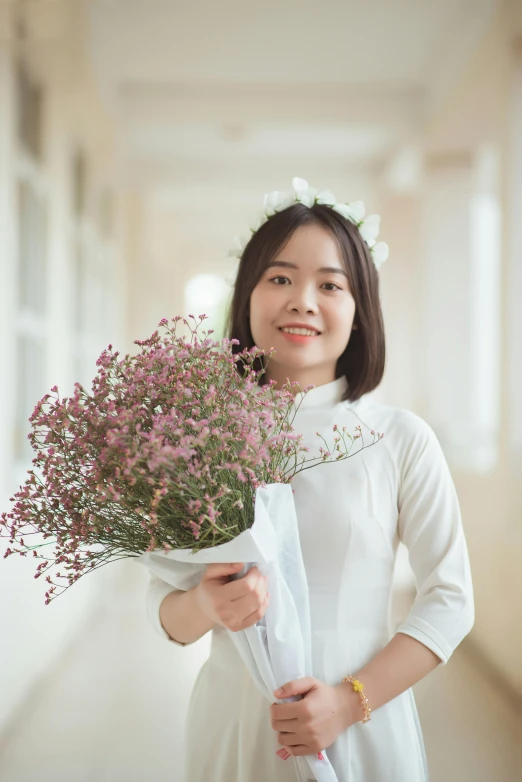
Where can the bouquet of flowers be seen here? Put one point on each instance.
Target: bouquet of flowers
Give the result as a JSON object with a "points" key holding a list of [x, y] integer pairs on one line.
{"points": [[178, 457]]}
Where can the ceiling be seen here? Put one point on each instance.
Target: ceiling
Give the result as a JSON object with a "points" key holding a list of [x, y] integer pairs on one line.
{"points": [[234, 98], [399, 44], [234, 83]]}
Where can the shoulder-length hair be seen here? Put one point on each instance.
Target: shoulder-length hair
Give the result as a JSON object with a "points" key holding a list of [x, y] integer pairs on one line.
{"points": [[363, 359]]}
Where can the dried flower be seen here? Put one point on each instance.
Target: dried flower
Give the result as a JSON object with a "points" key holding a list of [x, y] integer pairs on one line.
{"points": [[166, 451]]}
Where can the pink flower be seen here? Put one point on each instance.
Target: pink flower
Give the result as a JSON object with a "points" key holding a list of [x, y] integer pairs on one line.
{"points": [[166, 450]]}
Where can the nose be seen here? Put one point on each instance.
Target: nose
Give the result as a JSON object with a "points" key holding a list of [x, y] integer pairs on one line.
{"points": [[302, 299]]}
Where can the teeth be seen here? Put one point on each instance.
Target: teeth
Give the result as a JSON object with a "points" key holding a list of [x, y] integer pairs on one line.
{"points": [[304, 332]]}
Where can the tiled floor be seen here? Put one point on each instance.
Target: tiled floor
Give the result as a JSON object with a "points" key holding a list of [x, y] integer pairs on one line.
{"points": [[113, 712]]}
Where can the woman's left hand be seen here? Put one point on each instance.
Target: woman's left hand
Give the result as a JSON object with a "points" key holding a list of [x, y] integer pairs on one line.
{"points": [[307, 726]]}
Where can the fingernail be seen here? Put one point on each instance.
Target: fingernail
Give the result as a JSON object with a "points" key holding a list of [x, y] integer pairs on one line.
{"points": [[320, 756], [281, 752]]}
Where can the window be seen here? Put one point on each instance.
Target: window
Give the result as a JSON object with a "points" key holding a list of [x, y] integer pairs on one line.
{"points": [[485, 346], [29, 111], [79, 176], [31, 262], [93, 320], [32, 242], [105, 213], [460, 346], [30, 361], [514, 267], [208, 294]]}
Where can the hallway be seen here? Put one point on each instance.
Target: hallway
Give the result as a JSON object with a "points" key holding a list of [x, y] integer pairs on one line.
{"points": [[137, 139], [111, 711]]}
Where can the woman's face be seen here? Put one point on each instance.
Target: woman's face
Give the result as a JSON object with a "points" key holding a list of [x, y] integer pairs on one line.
{"points": [[305, 285]]}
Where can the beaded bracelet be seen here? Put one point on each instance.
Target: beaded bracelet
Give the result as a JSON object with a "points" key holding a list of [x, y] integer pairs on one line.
{"points": [[358, 687]]}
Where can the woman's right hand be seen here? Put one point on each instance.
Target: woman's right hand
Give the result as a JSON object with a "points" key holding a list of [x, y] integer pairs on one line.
{"points": [[236, 604]]}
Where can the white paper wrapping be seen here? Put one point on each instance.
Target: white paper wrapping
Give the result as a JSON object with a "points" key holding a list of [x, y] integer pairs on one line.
{"points": [[278, 648]]}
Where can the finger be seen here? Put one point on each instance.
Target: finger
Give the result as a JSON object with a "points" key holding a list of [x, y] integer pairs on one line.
{"points": [[253, 617], [246, 605], [289, 740], [286, 711], [222, 569], [296, 687], [299, 750], [251, 583], [286, 726]]}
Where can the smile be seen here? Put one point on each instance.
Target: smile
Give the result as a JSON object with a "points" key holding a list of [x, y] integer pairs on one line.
{"points": [[300, 331]]}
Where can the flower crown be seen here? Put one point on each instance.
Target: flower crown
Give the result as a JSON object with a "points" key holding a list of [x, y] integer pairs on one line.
{"points": [[303, 194]]}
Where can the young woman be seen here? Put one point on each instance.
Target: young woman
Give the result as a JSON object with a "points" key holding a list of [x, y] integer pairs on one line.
{"points": [[308, 286]]}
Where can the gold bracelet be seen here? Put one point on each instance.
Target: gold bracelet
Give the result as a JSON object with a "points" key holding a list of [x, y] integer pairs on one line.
{"points": [[358, 687]]}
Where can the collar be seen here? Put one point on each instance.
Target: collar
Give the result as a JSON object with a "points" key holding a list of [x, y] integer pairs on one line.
{"points": [[326, 395]]}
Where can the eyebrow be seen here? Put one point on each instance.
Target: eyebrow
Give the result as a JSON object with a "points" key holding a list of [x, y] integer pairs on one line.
{"points": [[325, 269]]}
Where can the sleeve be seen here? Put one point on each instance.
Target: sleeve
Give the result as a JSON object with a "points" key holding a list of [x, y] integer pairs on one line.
{"points": [[430, 526], [156, 591]]}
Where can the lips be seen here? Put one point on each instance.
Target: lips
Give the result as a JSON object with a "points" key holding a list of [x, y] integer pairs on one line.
{"points": [[298, 339]]}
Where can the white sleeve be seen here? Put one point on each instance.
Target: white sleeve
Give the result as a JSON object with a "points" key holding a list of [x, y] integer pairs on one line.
{"points": [[430, 526], [156, 591]]}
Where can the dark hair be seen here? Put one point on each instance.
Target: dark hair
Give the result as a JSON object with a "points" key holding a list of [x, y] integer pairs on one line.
{"points": [[363, 360]]}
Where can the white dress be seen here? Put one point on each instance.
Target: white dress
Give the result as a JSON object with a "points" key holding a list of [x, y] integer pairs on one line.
{"points": [[351, 516]]}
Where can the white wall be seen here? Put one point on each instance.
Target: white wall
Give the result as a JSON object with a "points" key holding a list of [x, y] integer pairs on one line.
{"points": [[475, 406], [33, 636]]}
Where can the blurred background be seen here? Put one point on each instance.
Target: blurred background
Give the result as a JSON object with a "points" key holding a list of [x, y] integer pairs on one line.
{"points": [[136, 140]]}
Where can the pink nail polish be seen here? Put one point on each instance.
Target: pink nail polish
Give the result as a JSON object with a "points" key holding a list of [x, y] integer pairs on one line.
{"points": [[320, 756], [281, 752]]}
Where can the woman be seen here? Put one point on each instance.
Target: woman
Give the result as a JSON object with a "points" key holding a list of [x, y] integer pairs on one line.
{"points": [[308, 287]]}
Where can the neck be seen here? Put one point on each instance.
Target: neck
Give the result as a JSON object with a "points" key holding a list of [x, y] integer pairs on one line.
{"points": [[315, 376]]}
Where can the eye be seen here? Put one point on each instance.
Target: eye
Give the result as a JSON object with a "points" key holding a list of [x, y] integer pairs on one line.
{"points": [[334, 287]]}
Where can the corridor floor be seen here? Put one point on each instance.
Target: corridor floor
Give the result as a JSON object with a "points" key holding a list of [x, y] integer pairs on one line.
{"points": [[112, 711]]}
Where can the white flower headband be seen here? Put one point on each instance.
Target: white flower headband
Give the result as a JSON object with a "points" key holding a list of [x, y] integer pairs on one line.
{"points": [[303, 194]]}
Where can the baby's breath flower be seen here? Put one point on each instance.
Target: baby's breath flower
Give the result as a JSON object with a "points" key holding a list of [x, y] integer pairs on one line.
{"points": [[166, 450]]}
